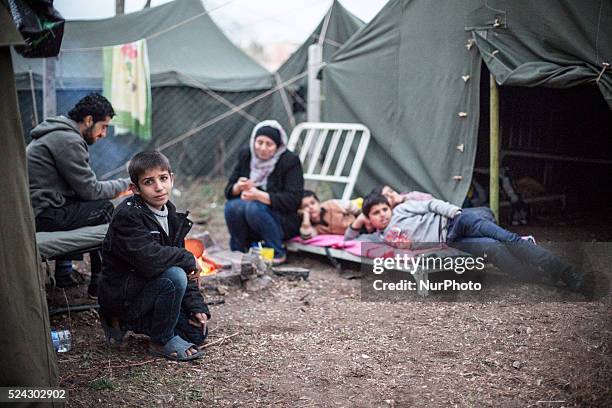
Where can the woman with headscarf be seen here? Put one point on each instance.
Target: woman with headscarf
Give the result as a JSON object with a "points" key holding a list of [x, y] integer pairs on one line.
{"points": [[264, 192]]}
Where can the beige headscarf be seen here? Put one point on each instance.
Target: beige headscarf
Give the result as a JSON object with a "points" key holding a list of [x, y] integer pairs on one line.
{"points": [[261, 169]]}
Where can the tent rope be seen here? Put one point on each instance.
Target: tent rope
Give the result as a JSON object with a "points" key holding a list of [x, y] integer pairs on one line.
{"points": [[323, 32], [285, 100], [158, 33], [201, 86], [214, 120], [606, 65], [327, 41]]}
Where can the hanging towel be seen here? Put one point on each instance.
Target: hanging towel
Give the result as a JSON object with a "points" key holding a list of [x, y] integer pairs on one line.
{"points": [[127, 86]]}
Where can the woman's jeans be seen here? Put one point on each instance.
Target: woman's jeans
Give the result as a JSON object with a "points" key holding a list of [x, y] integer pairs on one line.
{"points": [[252, 221], [157, 311], [475, 231]]}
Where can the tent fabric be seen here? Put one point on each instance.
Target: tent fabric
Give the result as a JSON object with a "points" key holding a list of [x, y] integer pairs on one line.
{"points": [[339, 25], [181, 39], [197, 74], [555, 44], [420, 68], [401, 76], [27, 357]]}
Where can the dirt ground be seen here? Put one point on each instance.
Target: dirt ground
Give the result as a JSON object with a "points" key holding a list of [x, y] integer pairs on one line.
{"points": [[314, 343]]}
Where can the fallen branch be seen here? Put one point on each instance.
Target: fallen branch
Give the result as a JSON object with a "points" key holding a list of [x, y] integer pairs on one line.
{"points": [[221, 340]]}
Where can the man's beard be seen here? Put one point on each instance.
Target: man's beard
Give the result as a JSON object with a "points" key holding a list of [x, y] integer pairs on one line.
{"points": [[88, 135]]}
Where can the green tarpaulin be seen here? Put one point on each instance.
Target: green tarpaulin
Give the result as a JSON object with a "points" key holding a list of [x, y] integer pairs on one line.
{"points": [[412, 75], [27, 357], [183, 42]]}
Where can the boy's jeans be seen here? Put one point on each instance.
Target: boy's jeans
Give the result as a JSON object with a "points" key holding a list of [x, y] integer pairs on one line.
{"points": [[252, 221], [157, 311], [474, 231]]}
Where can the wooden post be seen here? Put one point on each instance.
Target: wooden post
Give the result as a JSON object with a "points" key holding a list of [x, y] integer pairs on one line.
{"points": [[49, 96], [494, 144]]}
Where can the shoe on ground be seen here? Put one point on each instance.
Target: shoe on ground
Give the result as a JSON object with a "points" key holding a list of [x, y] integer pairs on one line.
{"points": [[92, 291], [113, 335], [279, 261], [529, 238], [572, 279]]}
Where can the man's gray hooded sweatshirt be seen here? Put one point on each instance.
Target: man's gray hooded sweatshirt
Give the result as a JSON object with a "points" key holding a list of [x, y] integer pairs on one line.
{"points": [[58, 167], [422, 221]]}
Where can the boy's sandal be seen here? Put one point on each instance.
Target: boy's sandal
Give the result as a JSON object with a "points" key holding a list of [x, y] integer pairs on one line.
{"points": [[179, 346]]}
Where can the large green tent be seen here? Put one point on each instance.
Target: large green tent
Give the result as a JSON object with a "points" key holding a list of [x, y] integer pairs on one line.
{"points": [[336, 27], [28, 359], [197, 74], [413, 76]]}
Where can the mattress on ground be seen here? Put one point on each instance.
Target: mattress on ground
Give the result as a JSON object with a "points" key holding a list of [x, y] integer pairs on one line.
{"points": [[353, 250], [57, 243]]}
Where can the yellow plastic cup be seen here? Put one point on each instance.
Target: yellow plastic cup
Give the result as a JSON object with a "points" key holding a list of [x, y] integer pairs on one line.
{"points": [[267, 254]]}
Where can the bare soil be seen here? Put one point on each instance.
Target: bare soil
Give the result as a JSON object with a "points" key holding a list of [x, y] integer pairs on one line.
{"points": [[315, 343]]}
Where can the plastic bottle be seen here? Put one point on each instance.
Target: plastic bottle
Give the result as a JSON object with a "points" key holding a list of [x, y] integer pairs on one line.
{"points": [[62, 340]]}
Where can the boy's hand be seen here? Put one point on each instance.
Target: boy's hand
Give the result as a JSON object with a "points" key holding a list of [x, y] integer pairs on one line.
{"points": [[199, 320], [195, 274], [360, 221]]}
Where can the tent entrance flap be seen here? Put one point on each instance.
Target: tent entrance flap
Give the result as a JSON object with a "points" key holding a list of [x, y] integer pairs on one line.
{"points": [[555, 145]]}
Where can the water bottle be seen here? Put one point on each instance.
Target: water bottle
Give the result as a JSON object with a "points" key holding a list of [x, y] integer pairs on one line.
{"points": [[61, 340]]}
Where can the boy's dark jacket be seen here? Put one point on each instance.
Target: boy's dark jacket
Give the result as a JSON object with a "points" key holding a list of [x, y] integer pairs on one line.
{"points": [[136, 246], [285, 186]]}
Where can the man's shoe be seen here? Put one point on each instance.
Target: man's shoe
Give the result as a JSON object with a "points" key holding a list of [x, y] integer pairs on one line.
{"points": [[573, 279], [92, 291], [113, 335]]}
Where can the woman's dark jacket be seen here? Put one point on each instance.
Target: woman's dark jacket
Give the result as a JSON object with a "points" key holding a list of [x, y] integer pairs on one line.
{"points": [[137, 248], [285, 186]]}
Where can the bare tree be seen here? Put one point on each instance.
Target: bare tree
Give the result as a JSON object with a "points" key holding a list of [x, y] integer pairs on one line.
{"points": [[119, 7]]}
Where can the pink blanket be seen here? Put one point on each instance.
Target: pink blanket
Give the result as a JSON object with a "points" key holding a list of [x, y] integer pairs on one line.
{"points": [[373, 251]]}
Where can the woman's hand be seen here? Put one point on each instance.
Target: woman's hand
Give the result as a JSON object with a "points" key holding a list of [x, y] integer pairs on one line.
{"points": [[241, 185], [254, 194]]}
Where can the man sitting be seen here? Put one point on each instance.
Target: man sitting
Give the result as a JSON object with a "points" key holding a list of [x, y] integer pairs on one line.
{"points": [[64, 190]]}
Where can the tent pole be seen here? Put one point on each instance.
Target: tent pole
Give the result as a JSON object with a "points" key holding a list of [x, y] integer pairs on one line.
{"points": [[49, 96], [315, 56], [494, 144]]}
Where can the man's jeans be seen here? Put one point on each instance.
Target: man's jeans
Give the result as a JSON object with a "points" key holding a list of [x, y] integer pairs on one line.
{"points": [[251, 221], [157, 311], [474, 231]]}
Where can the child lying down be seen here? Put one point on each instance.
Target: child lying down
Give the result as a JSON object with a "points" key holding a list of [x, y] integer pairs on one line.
{"points": [[417, 223]]}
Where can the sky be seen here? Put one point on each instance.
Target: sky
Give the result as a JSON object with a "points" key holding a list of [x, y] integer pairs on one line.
{"points": [[243, 21]]}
